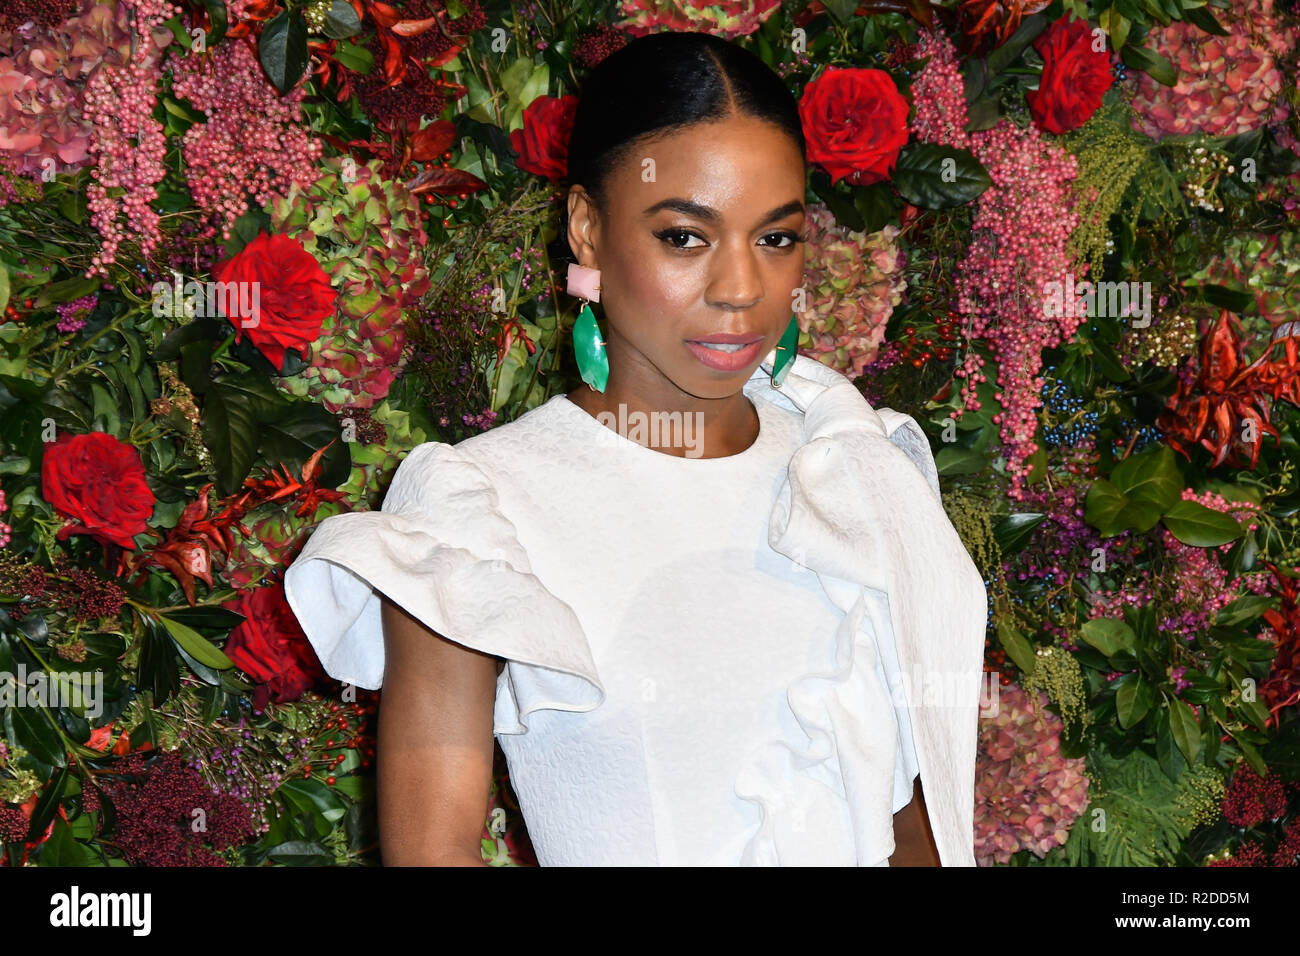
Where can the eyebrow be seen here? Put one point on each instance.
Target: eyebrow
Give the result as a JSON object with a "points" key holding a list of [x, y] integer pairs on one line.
{"points": [[710, 214]]}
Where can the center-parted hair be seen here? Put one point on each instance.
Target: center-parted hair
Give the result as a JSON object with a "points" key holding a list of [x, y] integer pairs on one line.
{"points": [[660, 83]]}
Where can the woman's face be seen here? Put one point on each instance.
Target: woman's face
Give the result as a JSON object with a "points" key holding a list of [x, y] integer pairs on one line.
{"points": [[700, 238]]}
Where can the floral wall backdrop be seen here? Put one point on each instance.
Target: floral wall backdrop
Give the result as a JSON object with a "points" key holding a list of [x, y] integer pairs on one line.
{"points": [[252, 252]]}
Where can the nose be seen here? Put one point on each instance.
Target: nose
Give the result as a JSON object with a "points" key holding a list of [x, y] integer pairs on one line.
{"points": [[735, 283]]}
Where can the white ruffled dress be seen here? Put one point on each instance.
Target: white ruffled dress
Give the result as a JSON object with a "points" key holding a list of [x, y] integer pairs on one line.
{"points": [[710, 661]]}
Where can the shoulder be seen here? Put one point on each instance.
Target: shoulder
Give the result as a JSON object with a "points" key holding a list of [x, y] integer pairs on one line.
{"points": [[906, 433], [474, 467]]}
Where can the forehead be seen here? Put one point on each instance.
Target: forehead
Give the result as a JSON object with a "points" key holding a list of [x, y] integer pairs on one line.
{"points": [[727, 164]]}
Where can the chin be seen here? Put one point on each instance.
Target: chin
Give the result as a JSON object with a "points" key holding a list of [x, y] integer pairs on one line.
{"points": [[716, 385]]}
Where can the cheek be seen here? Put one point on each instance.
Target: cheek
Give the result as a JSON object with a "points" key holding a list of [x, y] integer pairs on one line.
{"points": [[658, 285]]}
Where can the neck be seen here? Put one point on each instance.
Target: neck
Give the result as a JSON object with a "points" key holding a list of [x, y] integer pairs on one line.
{"points": [[639, 395]]}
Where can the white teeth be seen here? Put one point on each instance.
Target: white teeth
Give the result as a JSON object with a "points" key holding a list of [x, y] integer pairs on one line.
{"points": [[723, 347]]}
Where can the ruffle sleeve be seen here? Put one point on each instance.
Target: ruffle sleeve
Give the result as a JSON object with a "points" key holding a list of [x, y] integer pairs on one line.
{"points": [[861, 506], [441, 548]]}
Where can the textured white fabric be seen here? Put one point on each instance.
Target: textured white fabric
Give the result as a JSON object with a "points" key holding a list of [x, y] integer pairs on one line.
{"points": [[700, 651]]}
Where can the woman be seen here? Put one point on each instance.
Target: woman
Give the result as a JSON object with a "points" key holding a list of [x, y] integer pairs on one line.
{"points": [[715, 642]]}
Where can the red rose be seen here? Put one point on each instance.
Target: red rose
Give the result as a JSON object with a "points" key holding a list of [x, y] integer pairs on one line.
{"points": [[270, 646], [99, 483], [543, 143], [1075, 77], [855, 123], [293, 294]]}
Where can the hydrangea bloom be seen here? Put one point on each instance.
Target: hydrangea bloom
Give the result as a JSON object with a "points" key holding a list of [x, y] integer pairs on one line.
{"points": [[1027, 796], [727, 20], [854, 280], [1226, 84]]}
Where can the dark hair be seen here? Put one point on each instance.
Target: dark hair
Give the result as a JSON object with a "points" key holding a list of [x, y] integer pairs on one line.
{"points": [[659, 83]]}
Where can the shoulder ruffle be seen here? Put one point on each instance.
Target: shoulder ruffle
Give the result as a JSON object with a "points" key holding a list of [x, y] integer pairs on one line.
{"points": [[441, 549], [861, 507]]}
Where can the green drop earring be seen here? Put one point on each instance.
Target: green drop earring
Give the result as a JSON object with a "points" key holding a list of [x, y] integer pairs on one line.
{"points": [[785, 352], [588, 347]]}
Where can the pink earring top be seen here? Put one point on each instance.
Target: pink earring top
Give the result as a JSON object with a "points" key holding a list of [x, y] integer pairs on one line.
{"points": [[584, 282]]}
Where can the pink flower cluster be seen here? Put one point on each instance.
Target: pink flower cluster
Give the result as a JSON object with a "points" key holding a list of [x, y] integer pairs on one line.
{"points": [[1022, 223], [1252, 799], [937, 92], [129, 147], [253, 141], [128, 144], [72, 315], [155, 809], [1200, 581], [1027, 796], [1226, 84], [1021, 227], [1197, 586], [6, 532]]}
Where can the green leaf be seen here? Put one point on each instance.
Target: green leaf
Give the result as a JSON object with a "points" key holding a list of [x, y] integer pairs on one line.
{"points": [[939, 177], [31, 729], [842, 11], [157, 671], [294, 435], [1252, 755], [1204, 19], [1133, 699], [64, 849], [47, 804], [1016, 645], [1109, 635], [983, 113], [217, 18], [1254, 711], [198, 331], [1117, 27], [1186, 729], [1225, 298], [202, 671], [180, 111], [1243, 610], [282, 50], [4, 286], [515, 76], [196, 645], [1009, 52], [1242, 555], [1110, 511], [877, 205], [965, 456], [232, 412], [302, 853], [538, 82], [355, 58], [1014, 531], [341, 21], [1150, 477], [314, 797], [1152, 64], [1168, 755], [65, 291], [1193, 523], [212, 617]]}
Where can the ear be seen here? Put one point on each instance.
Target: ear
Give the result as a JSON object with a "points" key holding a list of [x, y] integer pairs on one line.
{"points": [[584, 227]]}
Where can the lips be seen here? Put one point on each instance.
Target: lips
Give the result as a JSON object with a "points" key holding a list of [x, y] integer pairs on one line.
{"points": [[726, 351]]}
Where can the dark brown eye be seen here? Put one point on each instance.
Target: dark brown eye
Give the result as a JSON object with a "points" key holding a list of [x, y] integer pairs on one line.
{"points": [[668, 235], [783, 234]]}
